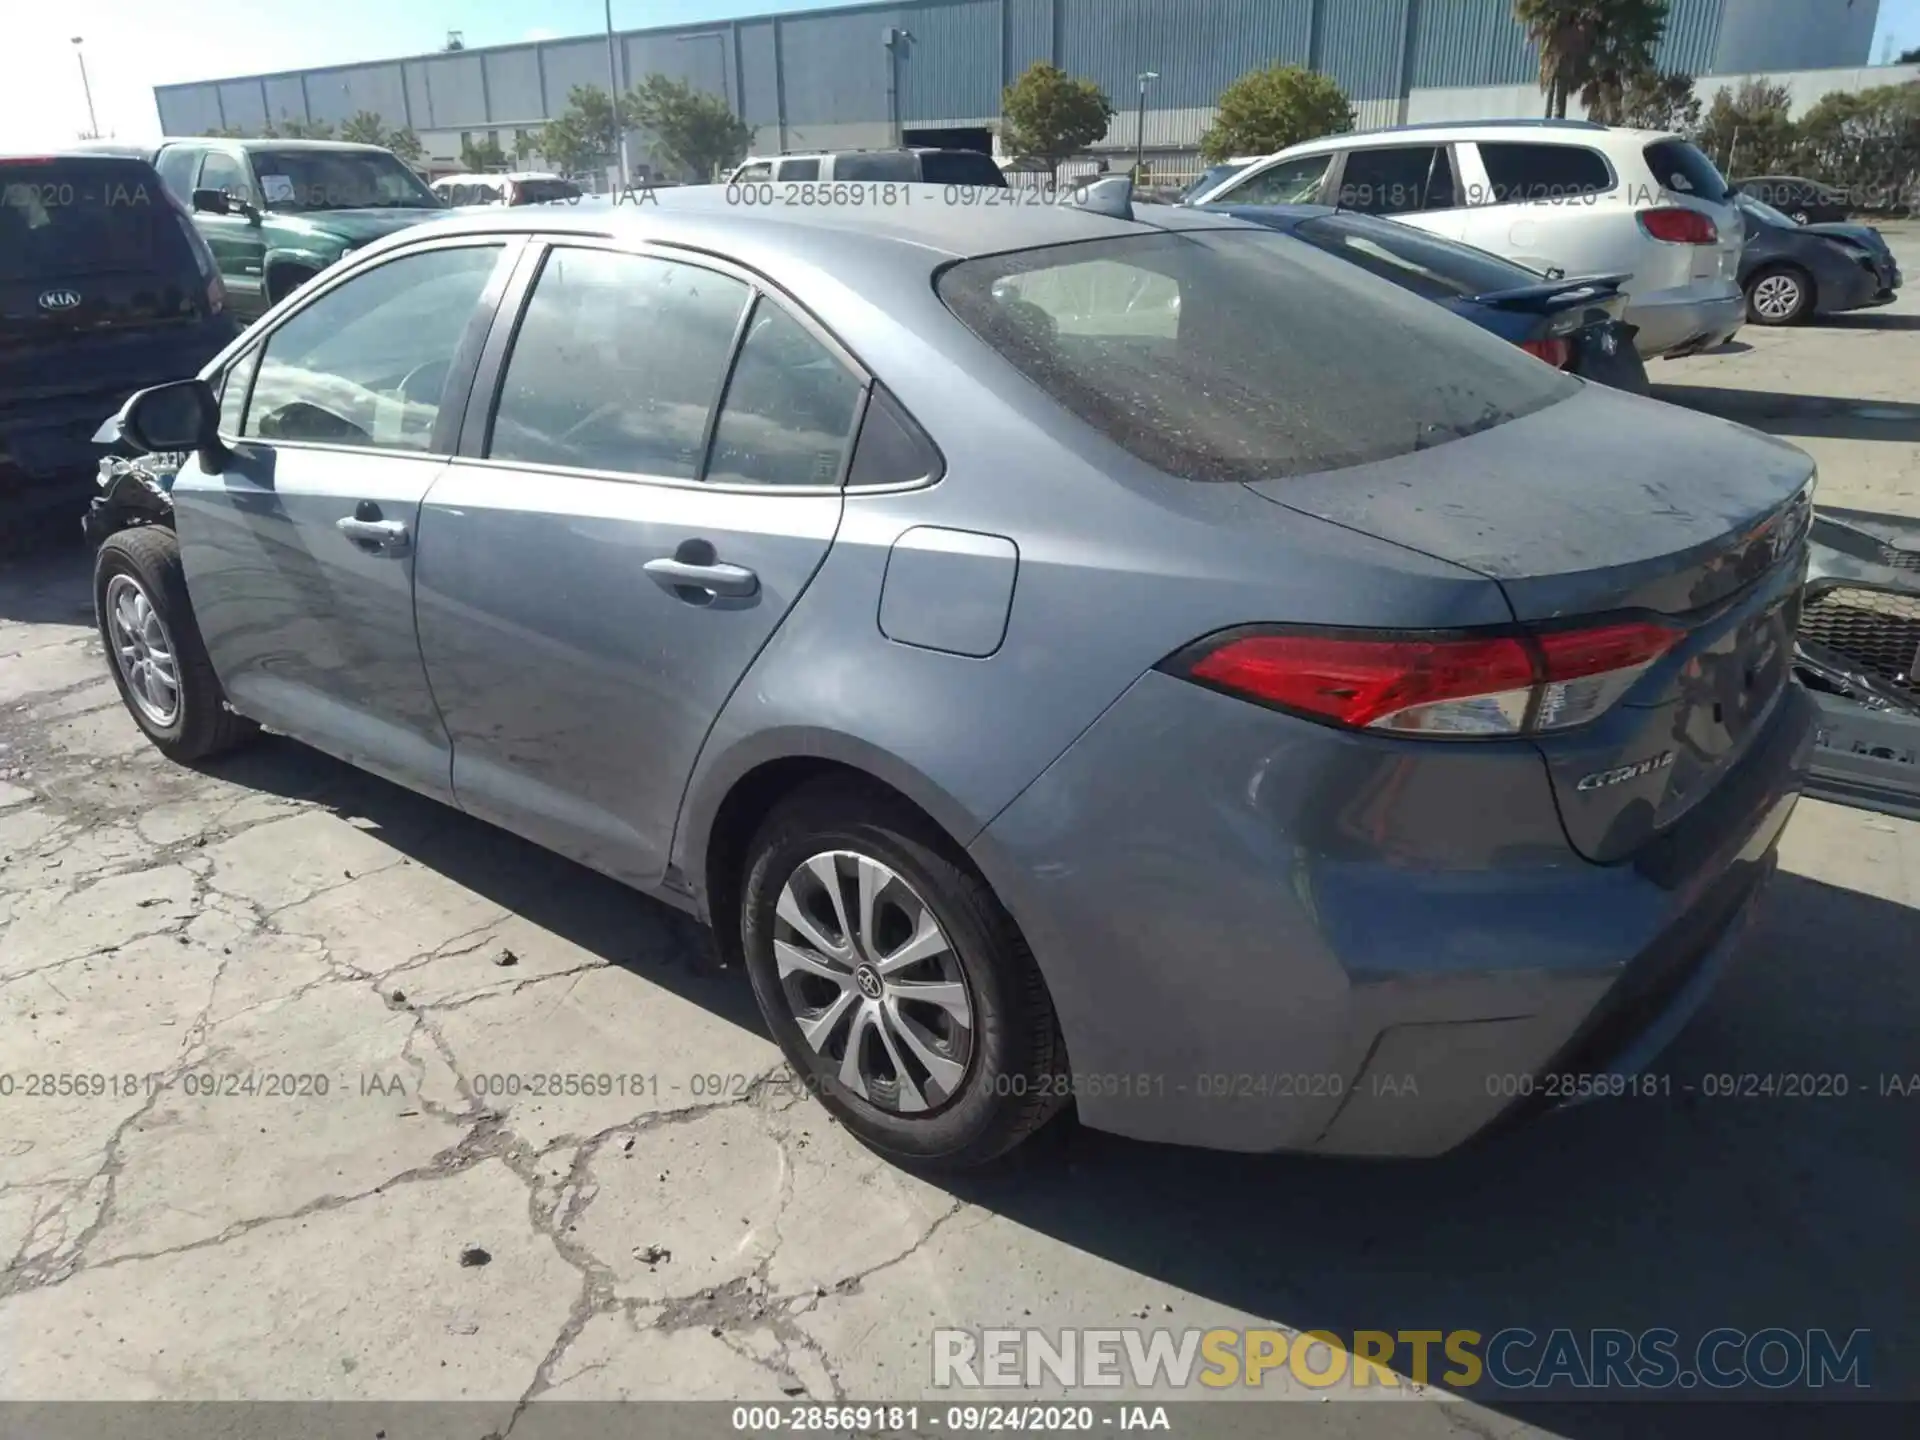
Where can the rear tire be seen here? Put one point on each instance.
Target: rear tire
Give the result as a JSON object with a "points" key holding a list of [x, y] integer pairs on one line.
{"points": [[1779, 295], [956, 1057], [154, 649]]}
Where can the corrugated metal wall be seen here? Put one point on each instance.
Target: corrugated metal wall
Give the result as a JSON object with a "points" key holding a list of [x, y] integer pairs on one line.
{"points": [[821, 77]]}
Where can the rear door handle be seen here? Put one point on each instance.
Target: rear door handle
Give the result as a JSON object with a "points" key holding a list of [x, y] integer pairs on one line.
{"points": [[733, 581], [388, 535]]}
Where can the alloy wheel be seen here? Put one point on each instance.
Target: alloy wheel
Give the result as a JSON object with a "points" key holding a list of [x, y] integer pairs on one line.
{"points": [[873, 982], [1777, 296], [143, 651]]}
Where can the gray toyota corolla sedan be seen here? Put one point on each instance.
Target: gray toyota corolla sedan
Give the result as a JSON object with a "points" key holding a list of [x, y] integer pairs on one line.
{"points": [[1134, 660]]}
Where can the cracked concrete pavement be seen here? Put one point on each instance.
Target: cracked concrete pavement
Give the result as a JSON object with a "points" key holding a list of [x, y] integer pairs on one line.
{"points": [[317, 1089]]}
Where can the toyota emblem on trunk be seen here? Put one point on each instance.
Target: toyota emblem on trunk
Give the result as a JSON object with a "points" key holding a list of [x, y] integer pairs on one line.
{"points": [[59, 299]]}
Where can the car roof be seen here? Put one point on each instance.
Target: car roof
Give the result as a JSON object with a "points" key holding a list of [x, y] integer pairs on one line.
{"points": [[923, 224], [132, 153], [1567, 132], [264, 142]]}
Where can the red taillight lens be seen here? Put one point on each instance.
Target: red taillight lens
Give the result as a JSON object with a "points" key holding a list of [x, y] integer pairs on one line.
{"points": [[1678, 225], [1452, 686], [1555, 352]]}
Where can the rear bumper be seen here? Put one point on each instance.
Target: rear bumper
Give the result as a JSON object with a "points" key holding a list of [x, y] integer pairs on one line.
{"points": [[1681, 322], [1869, 759], [1336, 944]]}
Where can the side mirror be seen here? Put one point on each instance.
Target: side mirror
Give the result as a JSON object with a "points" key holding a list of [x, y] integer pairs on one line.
{"points": [[212, 202], [181, 415]]}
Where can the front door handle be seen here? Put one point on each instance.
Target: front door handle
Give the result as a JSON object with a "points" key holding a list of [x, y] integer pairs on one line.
{"points": [[736, 582], [387, 535]]}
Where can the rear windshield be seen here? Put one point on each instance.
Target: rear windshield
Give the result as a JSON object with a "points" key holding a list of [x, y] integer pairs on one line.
{"points": [[86, 217], [1243, 355], [1425, 264], [1681, 167], [961, 167]]}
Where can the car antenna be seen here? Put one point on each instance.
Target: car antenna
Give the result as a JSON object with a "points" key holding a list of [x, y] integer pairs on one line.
{"points": [[1109, 195]]}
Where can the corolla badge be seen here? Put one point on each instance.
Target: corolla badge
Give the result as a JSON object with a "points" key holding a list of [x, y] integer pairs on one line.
{"points": [[1601, 779], [59, 299]]}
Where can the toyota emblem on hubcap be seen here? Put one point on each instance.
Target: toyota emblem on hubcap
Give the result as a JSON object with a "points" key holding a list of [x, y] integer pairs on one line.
{"points": [[868, 979], [59, 299]]}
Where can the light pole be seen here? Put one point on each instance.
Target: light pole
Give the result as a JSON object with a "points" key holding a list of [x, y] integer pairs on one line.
{"points": [[1146, 78], [613, 98], [896, 40], [93, 122]]}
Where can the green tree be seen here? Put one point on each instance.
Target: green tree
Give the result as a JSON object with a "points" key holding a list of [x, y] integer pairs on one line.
{"points": [[1750, 130], [583, 134], [1562, 31], [295, 128], [365, 128], [693, 131], [406, 145], [1651, 100], [1049, 116], [481, 156], [1268, 110], [1866, 142], [1909, 57]]}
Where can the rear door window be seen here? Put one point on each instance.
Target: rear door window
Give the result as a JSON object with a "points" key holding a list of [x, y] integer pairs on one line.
{"points": [[1519, 172], [1243, 355], [617, 364], [1393, 180], [877, 165], [808, 169], [1682, 168], [76, 217]]}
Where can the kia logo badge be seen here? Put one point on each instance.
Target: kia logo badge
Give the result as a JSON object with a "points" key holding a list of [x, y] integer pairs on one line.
{"points": [[59, 299]]}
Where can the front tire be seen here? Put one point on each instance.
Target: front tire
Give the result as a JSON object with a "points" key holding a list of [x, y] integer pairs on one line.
{"points": [[158, 659], [1779, 295], [894, 981]]}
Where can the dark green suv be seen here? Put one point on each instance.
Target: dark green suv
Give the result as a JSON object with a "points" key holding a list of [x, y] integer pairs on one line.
{"points": [[278, 212]]}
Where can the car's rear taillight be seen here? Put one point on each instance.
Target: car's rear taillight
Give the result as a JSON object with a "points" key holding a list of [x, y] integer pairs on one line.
{"points": [[1447, 685], [1556, 352], [1678, 225]]}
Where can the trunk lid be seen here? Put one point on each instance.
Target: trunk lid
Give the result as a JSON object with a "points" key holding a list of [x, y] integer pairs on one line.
{"points": [[1608, 506]]}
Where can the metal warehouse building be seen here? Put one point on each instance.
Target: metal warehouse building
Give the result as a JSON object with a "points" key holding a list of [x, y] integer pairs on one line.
{"points": [[839, 77]]}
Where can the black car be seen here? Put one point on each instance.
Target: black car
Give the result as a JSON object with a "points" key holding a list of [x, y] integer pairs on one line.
{"points": [[1572, 324], [1792, 272], [105, 288], [1806, 201]]}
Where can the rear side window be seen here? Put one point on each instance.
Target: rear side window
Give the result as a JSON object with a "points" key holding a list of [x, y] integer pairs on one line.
{"points": [[617, 364], [789, 409], [961, 167], [87, 217], [1397, 179], [877, 165], [1243, 355], [1681, 167], [808, 169], [1543, 172]]}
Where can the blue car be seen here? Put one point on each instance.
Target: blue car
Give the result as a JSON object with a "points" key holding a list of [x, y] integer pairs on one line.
{"points": [[1572, 324]]}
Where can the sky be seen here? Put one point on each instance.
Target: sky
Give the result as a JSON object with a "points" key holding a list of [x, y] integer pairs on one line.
{"points": [[132, 45]]}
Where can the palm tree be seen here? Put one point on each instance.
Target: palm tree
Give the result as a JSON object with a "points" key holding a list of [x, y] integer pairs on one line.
{"points": [[1590, 46]]}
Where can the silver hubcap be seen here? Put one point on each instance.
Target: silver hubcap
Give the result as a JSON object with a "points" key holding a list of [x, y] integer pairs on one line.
{"points": [[1777, 296], [872, 982], [143, 650]]}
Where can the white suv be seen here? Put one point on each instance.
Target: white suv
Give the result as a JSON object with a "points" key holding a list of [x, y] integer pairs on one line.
{"points": [[1555, 195]]}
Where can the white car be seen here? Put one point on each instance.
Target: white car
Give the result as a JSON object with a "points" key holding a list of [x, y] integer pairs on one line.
{"points": [[1570, 196]]}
